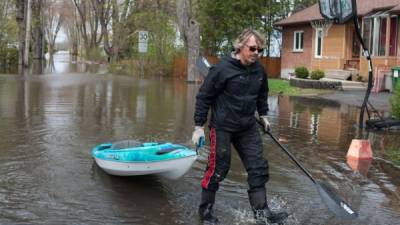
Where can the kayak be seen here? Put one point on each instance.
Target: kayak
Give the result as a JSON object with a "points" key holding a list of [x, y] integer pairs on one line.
{"points": [[132, 158]]}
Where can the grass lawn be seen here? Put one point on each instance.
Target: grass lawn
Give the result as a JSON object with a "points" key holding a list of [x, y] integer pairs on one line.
{"points": [[278, 86]]}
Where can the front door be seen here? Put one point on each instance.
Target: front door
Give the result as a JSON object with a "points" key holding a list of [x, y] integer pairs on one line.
{"points": [[354, 49], [356, 46]]}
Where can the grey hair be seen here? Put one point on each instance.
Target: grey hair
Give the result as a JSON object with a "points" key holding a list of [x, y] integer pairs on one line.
{"points": [[244, 37]]}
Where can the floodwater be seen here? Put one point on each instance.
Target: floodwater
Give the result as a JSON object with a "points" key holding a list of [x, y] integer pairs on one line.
{"points": [[50, 122]]}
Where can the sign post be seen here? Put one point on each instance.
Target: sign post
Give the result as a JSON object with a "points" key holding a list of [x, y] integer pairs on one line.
{"points": [[143, 42]]}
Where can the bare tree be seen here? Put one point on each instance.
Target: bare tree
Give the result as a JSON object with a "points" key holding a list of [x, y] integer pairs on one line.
{"points": [[106, 10], [190, 31], [71, 26], [89, 25], [52, 23], [4, 13], [114, 17]]}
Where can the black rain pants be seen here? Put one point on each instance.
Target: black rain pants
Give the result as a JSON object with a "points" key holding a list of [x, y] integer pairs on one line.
{"points": [[249, 147]]}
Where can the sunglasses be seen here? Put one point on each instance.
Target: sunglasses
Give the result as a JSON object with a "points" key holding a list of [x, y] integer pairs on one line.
{"points": [[253, 49]]}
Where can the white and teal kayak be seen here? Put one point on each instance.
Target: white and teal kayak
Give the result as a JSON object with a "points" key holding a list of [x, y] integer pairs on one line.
{"points": [[132, 158]]}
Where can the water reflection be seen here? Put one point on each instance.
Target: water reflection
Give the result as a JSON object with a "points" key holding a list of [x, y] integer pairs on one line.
{"points": [[61, 63], [38, 66], [50, 122], [359, 165], [315, 117]]}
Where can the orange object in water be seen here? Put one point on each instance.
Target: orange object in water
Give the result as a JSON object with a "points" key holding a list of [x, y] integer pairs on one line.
{"points": [[360, 149], [360, 165], [283, 140]]}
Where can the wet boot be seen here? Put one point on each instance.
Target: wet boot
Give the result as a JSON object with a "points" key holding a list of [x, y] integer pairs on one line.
{"points": [[258, 202], [206, 212]]}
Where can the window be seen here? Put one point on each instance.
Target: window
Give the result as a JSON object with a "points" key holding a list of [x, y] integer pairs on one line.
{"points": [[314, 127], [356, 46], [393, 36], [377, 33], [294, 120], [382, 37], [298, 41], [368, 27], [318, 42]]}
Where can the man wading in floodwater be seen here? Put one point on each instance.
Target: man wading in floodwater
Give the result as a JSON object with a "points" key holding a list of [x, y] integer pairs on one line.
{"points": [[234, 89]]}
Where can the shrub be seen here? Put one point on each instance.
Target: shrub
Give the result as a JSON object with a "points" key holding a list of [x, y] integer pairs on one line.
{"points": [[301, 72], [12, 56], [359, 78], [395, 102], [8, 57], [317, 74]]}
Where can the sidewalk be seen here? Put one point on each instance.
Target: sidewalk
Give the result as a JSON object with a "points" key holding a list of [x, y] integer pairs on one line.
{"points": [[380, 101]]}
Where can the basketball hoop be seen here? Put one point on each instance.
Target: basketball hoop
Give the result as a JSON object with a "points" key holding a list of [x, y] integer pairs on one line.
{"points": [[325, 25]]}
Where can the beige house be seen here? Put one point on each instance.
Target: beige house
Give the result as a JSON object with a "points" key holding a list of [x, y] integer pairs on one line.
{"points": [[336, 47]]}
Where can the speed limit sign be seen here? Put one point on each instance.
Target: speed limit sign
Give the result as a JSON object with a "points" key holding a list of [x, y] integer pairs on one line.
{"points": [[143, 39]]}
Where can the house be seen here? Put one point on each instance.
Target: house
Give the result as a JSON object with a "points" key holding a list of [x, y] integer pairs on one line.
{"points": [[308, 40]]}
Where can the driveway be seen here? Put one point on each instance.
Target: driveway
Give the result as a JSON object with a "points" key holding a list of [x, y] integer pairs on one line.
{"points": [[380, 101]]}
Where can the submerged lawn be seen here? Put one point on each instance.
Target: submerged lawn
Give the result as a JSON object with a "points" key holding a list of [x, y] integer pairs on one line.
{"points": [[278, 86]]}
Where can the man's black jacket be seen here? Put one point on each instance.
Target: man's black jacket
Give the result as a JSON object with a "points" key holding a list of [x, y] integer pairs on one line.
{"points": [[234, 92]]}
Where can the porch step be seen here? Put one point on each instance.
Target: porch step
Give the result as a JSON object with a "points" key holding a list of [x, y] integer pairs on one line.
{"points": [[352, 64], [354, 88], [338, 74], [349, 85]]}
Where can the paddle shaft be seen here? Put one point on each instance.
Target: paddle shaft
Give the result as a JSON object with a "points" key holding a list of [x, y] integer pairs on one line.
{"points": [[334, 203], [199, 145], [291, 156]]}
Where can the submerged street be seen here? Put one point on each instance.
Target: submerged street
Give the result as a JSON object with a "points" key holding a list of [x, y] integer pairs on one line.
{"points": [[50, 123]]}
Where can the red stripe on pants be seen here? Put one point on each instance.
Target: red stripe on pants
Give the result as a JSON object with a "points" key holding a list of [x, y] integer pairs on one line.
{"points": [[211, 161]]}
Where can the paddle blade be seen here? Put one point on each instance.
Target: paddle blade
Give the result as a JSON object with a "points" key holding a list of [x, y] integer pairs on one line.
{"points": [[203, 66], [334, 203]]}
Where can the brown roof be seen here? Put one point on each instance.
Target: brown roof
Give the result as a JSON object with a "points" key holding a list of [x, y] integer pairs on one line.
{"points": [[396, 9], [363, 7]]}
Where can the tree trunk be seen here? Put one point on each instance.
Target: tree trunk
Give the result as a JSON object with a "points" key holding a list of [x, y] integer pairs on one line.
{"points": [[37, 30], [20, 18], [50, 47], [28, 33], [74, 39], [193, 50], [74, 51], [190, 30], [37, 66], [37, 37]]}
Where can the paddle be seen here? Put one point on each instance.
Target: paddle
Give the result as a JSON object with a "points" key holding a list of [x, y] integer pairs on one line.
{"points": [[167, 150], [199, 145], [332, 201]]}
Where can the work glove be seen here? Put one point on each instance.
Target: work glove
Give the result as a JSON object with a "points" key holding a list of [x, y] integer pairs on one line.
{"points": [[198, 136], [265, 123]]}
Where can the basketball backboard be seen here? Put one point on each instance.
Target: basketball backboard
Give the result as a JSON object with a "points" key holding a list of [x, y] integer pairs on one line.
{"points": [[340, 11]]}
